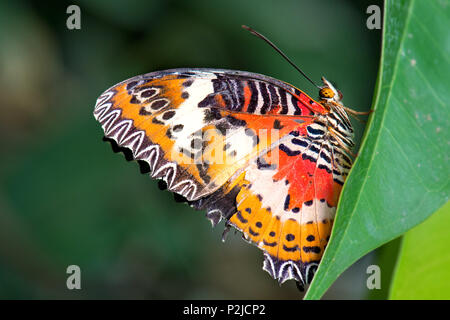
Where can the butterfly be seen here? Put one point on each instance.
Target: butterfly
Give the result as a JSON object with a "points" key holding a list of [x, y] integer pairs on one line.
{"points": [[246, 148]]}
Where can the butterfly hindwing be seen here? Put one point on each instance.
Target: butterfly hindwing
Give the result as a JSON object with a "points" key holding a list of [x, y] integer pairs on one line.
{"points": [[241, 146], [287, 206]]}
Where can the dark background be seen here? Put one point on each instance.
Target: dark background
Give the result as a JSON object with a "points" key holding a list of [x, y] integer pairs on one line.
{"points": [[66, 198]]}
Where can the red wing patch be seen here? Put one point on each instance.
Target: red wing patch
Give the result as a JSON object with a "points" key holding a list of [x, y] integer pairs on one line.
{"points": [[246, 148]]}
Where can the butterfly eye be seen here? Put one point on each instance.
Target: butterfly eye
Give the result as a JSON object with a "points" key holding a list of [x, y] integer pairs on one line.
{"points": [[326, 93], [340, 95]]}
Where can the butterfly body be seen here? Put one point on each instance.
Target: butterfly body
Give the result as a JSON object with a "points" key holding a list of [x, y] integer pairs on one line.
{"points": [[249, 149]]}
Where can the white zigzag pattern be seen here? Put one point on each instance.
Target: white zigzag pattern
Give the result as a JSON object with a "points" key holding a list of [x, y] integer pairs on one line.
{"points": [[290, 265], [108, 119], [103, 98], [133, 141], [119, 129], [152, 157], [187, 189], [268, 265], [101, 110], [293, 271], [171, 169], [313, 264]]}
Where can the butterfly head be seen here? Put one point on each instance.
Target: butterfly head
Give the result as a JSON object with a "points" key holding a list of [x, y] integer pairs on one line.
{"points": [[329, 93], [330, 97]]}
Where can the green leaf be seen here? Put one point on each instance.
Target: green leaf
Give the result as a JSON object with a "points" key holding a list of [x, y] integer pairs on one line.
{"points": [[423, 267], [401, 174]]}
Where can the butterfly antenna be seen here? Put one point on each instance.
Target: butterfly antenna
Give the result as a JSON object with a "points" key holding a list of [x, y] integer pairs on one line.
{"points": [[259, 35]]}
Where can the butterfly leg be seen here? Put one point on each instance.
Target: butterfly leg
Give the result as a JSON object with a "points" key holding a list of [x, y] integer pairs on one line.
{"points": [[351, 111]]}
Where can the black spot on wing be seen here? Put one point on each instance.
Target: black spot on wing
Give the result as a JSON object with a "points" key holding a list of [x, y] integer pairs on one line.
{"points": [[277, 125], [144, 112], [235, 122], [308, 157], [252, 232], [308, 203], [253, 103], [148, 93], [325, 157], [131, 85], [283, 100], [286, 202], [294, 101], [299, 142], [178, 128], [134, 100], [313, 249], [313, 131], [265, 96], [288, 151], [290, 249], [168, 115], [313, 148], [156, 121], [321, 166], [240, 217], [185, 95], [270, 244]]}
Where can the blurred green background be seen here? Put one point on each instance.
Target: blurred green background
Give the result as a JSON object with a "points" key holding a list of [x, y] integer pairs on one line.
{"points": [[66, 198]]}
